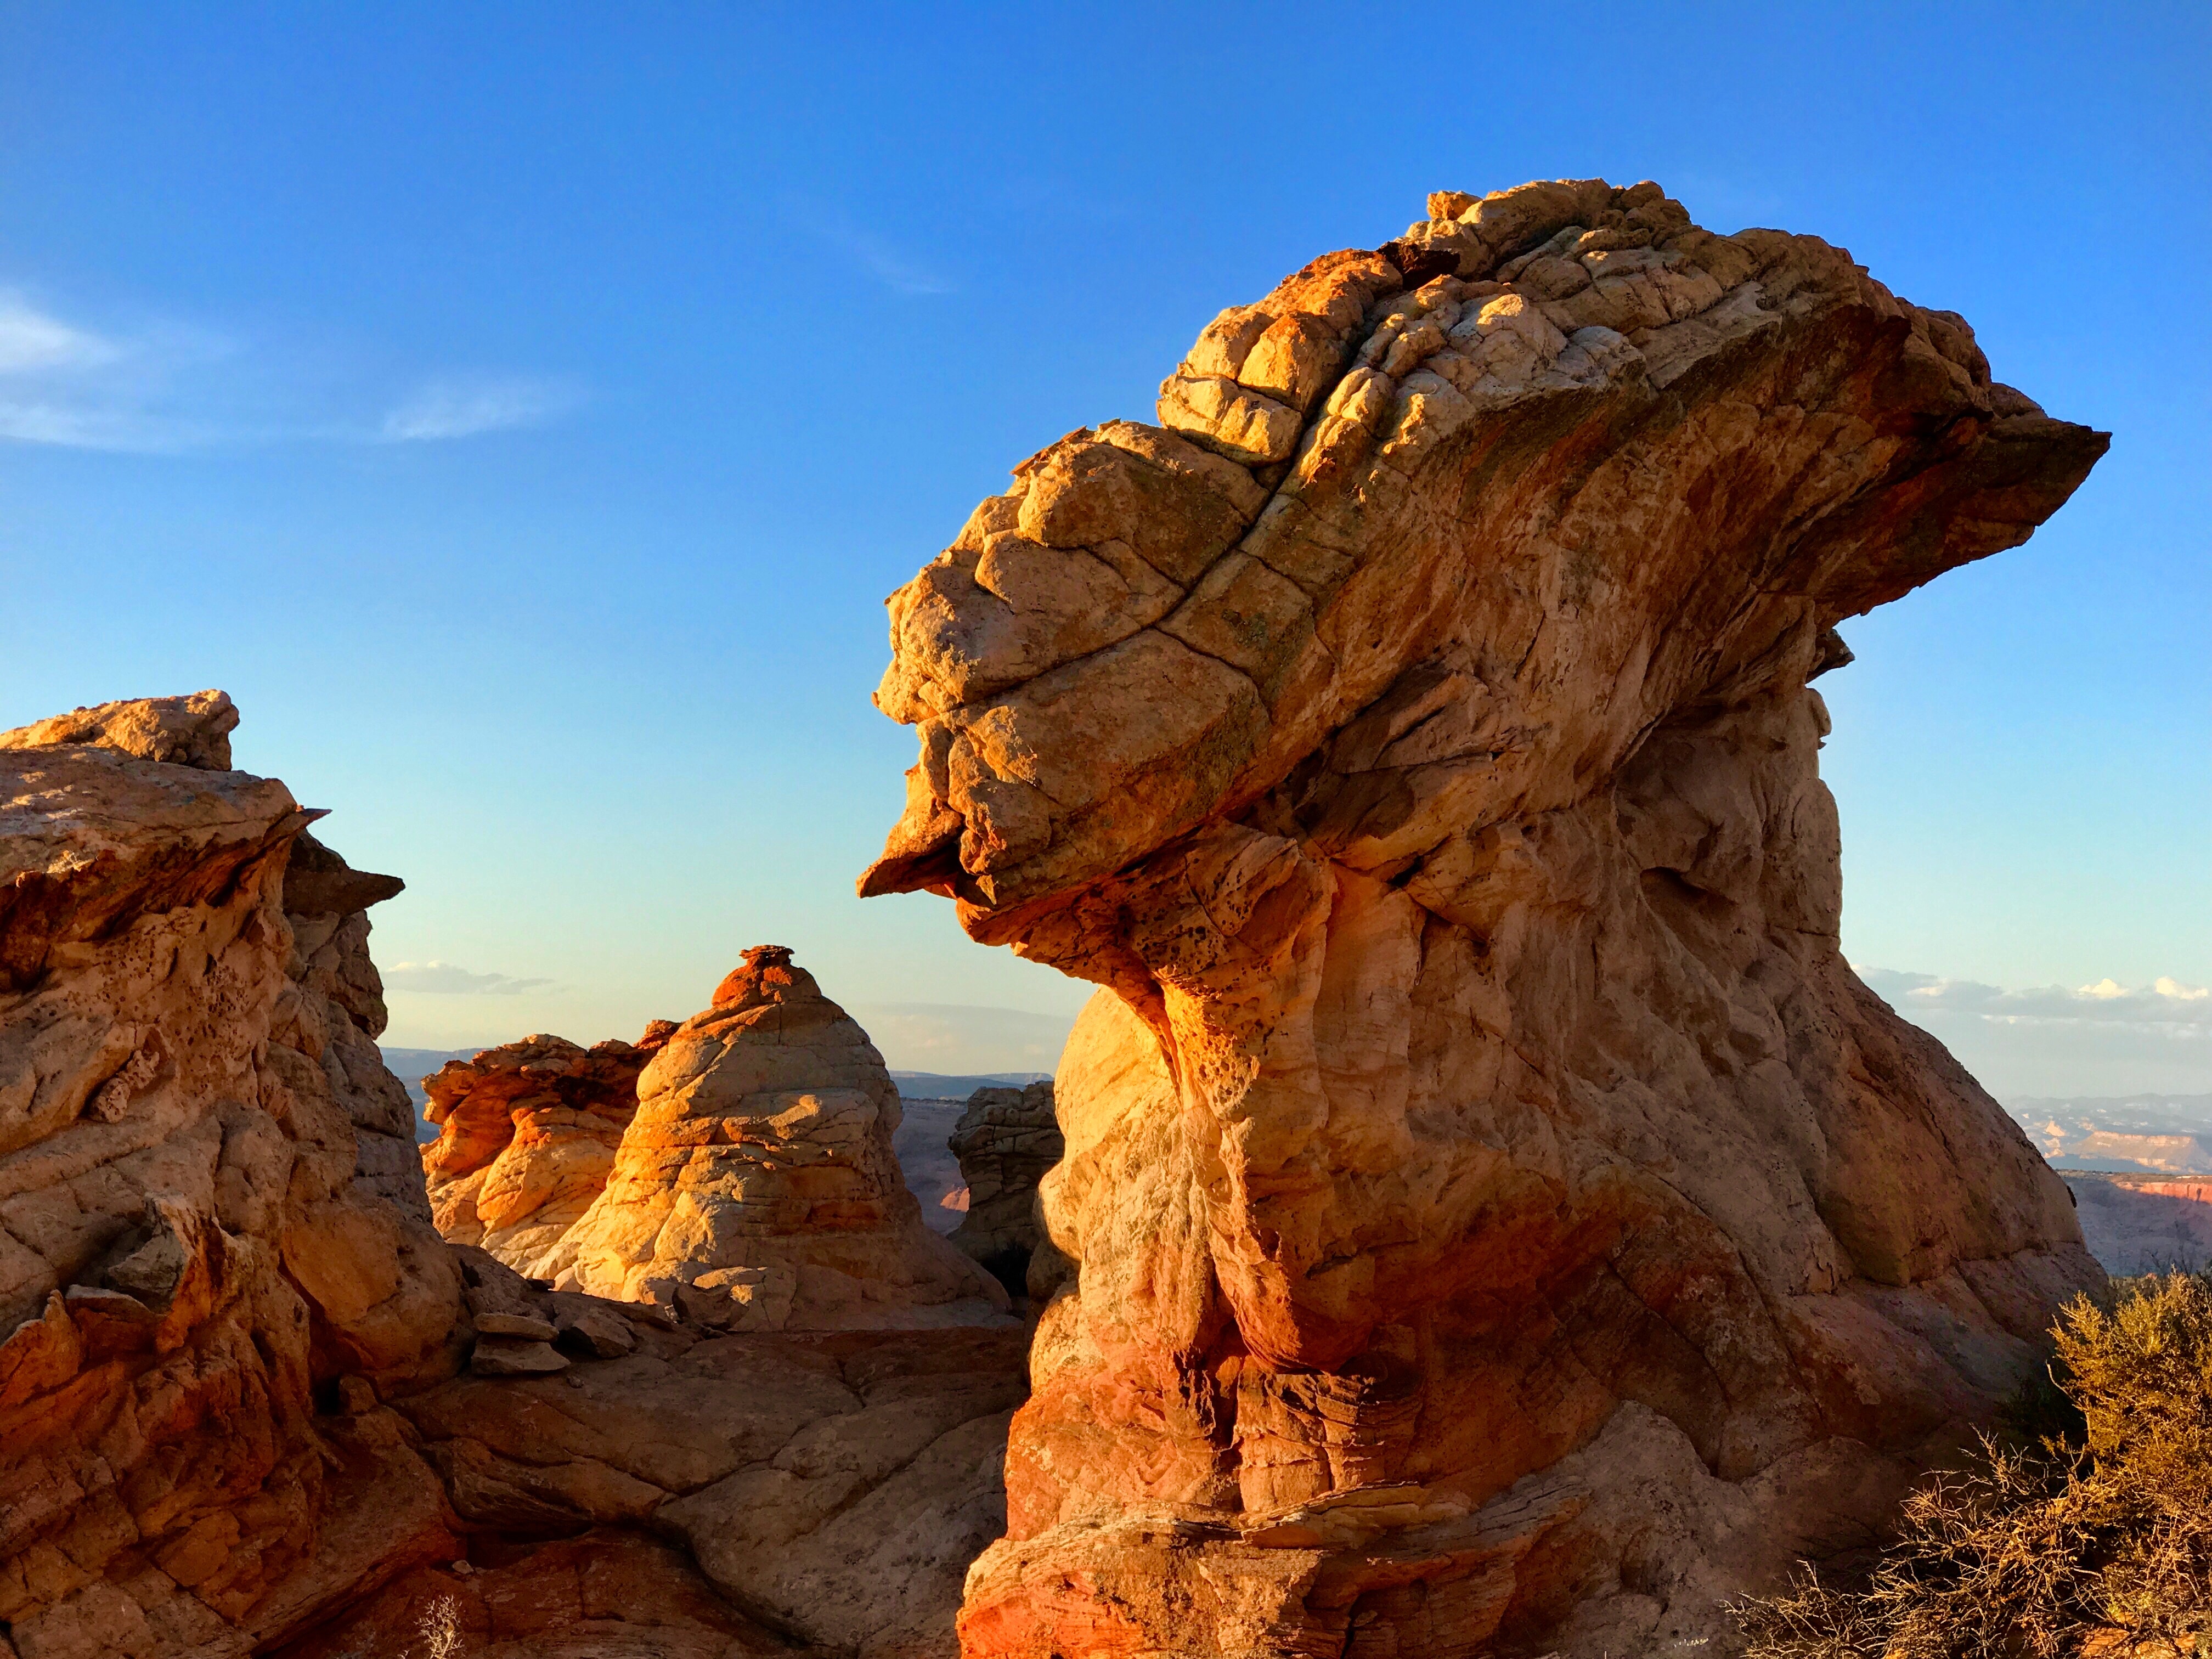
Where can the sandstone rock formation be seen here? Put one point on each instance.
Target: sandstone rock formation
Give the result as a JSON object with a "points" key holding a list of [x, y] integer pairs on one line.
{"points": [[194, 730], [1005, 1141], [1502, 1221], [209, 1206], [527, 1133], [230, 1416], [756, 1186], [602, 1593]]}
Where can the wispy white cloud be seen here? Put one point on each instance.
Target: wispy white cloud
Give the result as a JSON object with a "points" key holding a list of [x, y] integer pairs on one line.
{"points": [[466, 407], [2165, 1001], [32, 339], [2101, 1038], [444, 978], [81, 426], [880, 257], [67, 384], [164, 388]]}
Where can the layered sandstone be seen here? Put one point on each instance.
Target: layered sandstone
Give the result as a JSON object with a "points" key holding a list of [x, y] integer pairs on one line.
{"points": [[1500, 1219], [527, 1133], [209, 1207], [192, 731], [1005, 1141], [756, 1186]]}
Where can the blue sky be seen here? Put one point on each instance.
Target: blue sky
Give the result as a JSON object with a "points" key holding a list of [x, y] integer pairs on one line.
{"points": [[523, 412]]}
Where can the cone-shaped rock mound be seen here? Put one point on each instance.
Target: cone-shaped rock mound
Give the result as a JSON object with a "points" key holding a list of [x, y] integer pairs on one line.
{"points": [[756, 1186], [1501, 1220]]}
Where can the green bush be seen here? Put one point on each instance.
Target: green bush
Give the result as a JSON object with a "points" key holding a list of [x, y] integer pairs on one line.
{"points": [[2090, 1509]]}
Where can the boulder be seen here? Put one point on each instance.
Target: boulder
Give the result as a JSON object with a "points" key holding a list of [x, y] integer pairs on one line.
{"points": [[192, 730], [527, 1133], [756, 1189], [210, 1213], [1496, 1214], [1005, 1140]]}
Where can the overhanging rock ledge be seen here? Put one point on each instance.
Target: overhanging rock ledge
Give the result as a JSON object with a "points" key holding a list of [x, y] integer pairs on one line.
{"points": [[1500, 1219]]}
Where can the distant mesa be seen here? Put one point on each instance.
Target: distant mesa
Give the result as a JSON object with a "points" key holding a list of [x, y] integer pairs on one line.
{"points": [[2140, 1168], [2167, 1133], [947, 1085], [2146, 1224]]}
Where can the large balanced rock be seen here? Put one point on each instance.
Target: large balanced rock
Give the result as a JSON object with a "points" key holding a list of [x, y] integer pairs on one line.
{"points": [[527, 1133], [1005, 1141], [210, 1206], [756, 1189], [1501, 1220]]}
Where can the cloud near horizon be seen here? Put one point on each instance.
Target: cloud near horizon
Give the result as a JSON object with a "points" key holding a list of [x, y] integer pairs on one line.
{"points": [[2165, 1001], [444, 978], [2103, 1039], [926, 1036], [166, 388]]}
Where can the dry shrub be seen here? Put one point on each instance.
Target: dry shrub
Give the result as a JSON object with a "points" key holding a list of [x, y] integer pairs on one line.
{"points": [[2094, 1511], [440, 1629]]}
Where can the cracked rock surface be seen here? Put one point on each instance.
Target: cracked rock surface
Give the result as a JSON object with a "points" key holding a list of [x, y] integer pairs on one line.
{"points": [[1496, 1218]]}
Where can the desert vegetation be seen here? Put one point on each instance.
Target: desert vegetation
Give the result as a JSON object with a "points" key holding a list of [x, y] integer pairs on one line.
{"points": [[2082, 1526]]}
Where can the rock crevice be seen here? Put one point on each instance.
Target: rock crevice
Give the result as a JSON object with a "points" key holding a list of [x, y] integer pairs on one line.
{"points": [[1005, 1140]]}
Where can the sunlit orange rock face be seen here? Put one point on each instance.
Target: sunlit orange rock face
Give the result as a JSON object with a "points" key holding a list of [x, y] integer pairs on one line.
{"points": [[527, 1133], [211, 1222], [1501, 1221]]}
